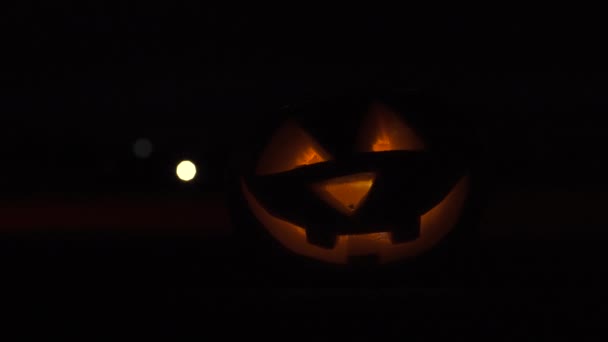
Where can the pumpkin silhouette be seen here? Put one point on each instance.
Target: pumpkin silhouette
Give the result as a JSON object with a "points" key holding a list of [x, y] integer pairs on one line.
{"points": [[365, 178]]}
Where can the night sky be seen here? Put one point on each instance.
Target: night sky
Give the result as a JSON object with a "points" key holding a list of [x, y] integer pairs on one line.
{"points": [[82, 83]]}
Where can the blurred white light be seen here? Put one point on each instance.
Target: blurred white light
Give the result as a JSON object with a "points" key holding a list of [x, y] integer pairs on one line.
{"points": [[186, 170], [142, 148]]}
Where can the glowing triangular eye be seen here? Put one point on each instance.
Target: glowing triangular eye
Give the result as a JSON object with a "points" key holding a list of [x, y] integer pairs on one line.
{"points": [[346, 194], [289, 148], [384, 130]]}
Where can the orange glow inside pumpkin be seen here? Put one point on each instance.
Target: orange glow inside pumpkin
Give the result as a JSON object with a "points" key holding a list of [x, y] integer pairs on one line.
{"points": [[289, 148], [309, 156], [346, 194], [382, 143], [384, 130], [434, 225]]}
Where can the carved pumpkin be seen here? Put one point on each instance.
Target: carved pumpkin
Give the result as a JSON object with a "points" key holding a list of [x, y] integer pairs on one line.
{"points": [[356, 181]]}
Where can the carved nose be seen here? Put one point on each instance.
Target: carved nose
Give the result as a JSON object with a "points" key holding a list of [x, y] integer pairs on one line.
{"points": [[346, 194]]}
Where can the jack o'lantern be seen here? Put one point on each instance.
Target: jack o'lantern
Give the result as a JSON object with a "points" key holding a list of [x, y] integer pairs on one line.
{"points": [[356, 181]]}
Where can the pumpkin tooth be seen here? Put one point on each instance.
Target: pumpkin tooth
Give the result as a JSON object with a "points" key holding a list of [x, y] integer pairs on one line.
{"points": [[321, 238]]}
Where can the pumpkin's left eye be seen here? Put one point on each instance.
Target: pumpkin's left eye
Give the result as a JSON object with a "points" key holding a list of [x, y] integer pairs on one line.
{"points": [[289, 148], [384, 130]]}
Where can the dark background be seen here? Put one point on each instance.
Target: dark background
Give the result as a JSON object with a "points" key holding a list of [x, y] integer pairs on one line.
{"points": [[79, 84]]}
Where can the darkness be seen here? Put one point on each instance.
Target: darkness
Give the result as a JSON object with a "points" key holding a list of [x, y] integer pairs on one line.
{"points": [[87, 229]]}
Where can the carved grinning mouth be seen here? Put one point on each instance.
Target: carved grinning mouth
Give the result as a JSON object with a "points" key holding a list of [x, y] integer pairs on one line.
{"points": [[383, 244]]}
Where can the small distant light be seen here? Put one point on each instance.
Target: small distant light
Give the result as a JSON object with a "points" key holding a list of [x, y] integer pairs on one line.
{"points": [[186, 170], [142, 148]]}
